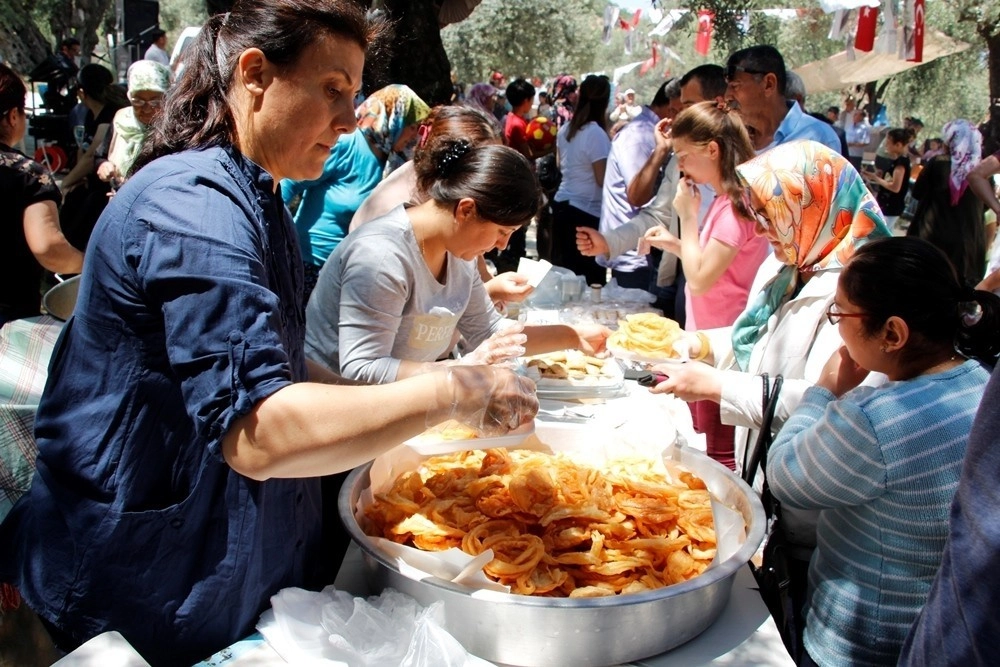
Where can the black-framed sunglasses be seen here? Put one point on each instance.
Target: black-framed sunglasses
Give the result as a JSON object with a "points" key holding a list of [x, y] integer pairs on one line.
{"points": [[733, 70], [834, 316]]}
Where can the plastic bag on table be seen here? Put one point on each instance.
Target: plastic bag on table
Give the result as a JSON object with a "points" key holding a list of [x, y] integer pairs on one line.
{"points": [[335, 628]]}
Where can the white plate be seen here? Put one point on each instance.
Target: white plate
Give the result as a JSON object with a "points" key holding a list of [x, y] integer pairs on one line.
{"points": [[609, 382], [629, 355], [424, 445]]}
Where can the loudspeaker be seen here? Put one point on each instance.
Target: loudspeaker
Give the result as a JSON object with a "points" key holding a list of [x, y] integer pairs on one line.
{"points": [[139, 19]]}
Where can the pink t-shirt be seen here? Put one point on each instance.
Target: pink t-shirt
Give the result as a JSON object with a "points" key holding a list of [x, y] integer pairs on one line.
{"points": [[727, 298]]}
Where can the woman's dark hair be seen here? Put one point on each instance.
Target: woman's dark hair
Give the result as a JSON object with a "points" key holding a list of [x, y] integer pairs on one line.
{"points": [[901, 135], [591, 104], [498, 178], [447, 124], [12, 90], [98, 83], [705, 122], [196, 112], [913, 280]]}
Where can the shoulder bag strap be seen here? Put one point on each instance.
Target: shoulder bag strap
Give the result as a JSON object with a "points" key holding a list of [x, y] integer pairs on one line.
{"points": [[769, 402]]}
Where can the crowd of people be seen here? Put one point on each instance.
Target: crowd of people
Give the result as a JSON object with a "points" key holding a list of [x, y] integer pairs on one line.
{"points": [[217, 378]]}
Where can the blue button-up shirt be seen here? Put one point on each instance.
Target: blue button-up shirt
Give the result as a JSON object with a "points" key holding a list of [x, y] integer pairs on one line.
{"points": [[799, 125], [630, 149], [188, 315]]}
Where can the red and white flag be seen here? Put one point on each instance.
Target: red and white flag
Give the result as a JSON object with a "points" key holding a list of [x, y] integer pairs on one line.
{"points": [[651, 61], [703, 40], [864, 38], [916, 54]]}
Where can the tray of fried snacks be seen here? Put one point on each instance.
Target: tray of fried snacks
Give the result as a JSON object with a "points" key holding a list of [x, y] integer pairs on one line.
{"points": [[647, 338], [574, 528], [574, 374], [451, 435]]}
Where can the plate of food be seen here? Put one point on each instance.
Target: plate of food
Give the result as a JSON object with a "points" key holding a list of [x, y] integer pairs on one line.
{"points": [[648, 338], [572, 373], [452, 435]]}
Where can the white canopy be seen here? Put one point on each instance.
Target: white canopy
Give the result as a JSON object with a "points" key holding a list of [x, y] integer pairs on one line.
{"points": [[840, 71]]}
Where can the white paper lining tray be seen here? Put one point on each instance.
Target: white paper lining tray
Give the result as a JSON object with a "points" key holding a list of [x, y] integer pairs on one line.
{"points": [[428, 446]]}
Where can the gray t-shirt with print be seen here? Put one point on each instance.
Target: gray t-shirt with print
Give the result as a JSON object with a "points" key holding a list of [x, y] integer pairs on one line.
{"points": [[376, 303]]}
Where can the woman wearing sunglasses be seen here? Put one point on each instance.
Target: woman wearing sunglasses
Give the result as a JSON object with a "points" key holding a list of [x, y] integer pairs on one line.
{"points": [[148, 82], [882, 464]]}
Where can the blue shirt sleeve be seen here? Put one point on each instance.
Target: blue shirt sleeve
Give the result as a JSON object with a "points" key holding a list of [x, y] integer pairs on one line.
{"points": [[207, 275], [826, 455]]}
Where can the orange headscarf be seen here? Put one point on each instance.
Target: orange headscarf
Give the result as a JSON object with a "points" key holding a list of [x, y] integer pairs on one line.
{"points": [[820, 210]]}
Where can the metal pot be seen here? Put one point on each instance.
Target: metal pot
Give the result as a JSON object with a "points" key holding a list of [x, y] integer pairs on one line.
{"points": [[61, 299], [529, 631]]}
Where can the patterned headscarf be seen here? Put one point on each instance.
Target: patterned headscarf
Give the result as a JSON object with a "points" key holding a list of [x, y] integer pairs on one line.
{"points": [[966, 146], [143, 76], [820, 210], [562, 88], [148, 75], [382, 117], [482, 95]]}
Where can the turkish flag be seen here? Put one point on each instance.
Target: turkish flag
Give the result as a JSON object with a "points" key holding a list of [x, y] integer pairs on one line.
{"points": [[651, 61], [635, 17], [703, 41], [864, 39], [918, 32]]}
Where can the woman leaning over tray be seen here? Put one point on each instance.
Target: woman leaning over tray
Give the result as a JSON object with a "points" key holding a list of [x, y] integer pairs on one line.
{"points": [[182, 429], [393, 294], [882, 464], [815, 210]]}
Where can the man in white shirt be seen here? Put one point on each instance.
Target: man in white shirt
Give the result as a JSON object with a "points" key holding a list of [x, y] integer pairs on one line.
{"points": [[628, 109], [157, 51]]}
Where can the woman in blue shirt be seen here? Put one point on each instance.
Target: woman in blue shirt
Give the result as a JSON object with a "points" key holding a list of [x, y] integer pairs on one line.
{"points": [[182, 431], [387, 125], [883, 463]]}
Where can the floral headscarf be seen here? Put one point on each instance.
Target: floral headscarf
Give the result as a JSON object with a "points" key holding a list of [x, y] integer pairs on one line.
{"points": [[966, 146], [820, 210], [482, 95], [382, 117]]}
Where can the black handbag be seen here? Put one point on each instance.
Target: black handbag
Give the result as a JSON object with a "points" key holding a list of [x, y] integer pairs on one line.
{"points": [[774, 577]]}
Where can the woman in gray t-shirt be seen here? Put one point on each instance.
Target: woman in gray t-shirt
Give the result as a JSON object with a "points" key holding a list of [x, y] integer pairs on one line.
{"points": [[394, 293]]}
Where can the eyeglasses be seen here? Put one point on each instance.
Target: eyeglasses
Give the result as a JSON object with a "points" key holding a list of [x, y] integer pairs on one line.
{"points": [[152, 104], [733, 70], [761, 218], [834, 315]]}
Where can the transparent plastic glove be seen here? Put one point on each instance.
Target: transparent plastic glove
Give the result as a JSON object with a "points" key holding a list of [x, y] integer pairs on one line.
{"points": [[509, 286], [491, 400], [505, 345]]}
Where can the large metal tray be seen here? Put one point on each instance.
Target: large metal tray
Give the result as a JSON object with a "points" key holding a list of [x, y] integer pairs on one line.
{"points": [[544, 632]]}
